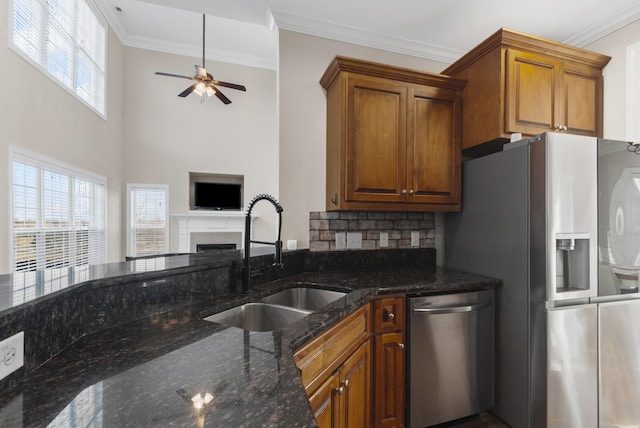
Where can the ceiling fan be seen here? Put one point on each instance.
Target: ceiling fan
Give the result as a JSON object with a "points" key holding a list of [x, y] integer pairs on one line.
{"points": [[204, 82]]}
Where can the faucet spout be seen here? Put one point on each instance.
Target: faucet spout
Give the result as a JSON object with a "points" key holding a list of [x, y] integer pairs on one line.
{"points": [[246, 266]]}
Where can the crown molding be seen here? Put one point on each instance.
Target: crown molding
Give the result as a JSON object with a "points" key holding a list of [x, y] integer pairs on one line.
{"points": [[111, 16], [358, 36], [196, 52], [606, 26], [179, 48]]}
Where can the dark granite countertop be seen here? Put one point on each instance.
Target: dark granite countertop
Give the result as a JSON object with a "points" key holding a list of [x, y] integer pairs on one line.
{"points": [[145, 373]]}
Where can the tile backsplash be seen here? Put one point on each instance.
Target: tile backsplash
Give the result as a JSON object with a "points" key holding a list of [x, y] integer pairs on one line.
{"points": [[398, 226]]}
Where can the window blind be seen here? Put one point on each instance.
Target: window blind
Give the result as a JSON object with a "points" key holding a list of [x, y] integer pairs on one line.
{"points": [[67, 41], [58, 217], [148, 220]]}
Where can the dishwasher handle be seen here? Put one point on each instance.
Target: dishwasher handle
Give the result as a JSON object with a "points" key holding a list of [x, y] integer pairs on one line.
{"points": [[428, 309]]}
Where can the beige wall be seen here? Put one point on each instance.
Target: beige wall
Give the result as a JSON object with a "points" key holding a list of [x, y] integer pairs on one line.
{"points": [[166, 136], [40, 116], [302, 61], [615, 75]]}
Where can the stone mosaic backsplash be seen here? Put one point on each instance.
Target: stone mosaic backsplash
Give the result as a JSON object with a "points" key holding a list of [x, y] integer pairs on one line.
{"points": [[398, 226]]}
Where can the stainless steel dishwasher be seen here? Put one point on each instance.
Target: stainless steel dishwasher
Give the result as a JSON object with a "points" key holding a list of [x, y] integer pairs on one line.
{"points": [[451, 356]]}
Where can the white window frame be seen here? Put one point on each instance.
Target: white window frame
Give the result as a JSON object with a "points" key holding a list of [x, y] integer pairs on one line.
{"points": [[39, 64], [45, 162], [130, 238]]}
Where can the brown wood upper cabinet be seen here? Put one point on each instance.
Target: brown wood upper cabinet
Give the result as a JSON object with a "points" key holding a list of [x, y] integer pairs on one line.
{"points": [[521, 83], [393, 138]]}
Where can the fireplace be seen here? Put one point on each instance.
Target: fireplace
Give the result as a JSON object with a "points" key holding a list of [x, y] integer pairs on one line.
{"points": [[201, 248], [210, 228]]}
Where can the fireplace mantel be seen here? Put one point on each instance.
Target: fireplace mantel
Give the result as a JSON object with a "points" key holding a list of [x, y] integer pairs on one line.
{"points": [[208, 222]]}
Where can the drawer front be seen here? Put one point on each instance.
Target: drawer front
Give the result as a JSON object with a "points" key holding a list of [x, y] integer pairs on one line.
{"points": [[327, 351], [389, 314]]}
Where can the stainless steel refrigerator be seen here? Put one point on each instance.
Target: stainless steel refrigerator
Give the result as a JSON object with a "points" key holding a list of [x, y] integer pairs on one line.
{"points": [[533, 216]]}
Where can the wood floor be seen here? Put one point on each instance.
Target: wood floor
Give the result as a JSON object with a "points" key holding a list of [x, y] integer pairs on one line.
{"points": [[483, 420]]}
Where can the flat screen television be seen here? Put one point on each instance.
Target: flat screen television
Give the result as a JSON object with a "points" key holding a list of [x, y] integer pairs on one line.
{"points": [[217, 196]]}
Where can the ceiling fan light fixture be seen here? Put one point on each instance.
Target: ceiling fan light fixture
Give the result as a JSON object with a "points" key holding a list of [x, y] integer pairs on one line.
{"points": [[205, 83], [200, 89]]}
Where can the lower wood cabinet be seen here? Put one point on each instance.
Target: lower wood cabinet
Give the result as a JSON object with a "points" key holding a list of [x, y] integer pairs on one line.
{"points": [[343, 399], [389, 362], [336, 372], [355, 378], [389, 384]]}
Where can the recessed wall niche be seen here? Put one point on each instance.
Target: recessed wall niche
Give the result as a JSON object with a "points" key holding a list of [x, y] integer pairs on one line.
{"points": [[216, 192]]}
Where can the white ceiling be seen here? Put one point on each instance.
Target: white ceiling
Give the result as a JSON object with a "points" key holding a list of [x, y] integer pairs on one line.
{"points": [[245, 31]]}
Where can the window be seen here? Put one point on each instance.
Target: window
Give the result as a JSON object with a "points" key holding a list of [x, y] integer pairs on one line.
{"points": [[147, 213], [58, 216], [66, 40]]}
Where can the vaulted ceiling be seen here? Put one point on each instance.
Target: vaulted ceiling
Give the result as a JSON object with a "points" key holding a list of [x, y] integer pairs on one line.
{"points": [[245, 31]]}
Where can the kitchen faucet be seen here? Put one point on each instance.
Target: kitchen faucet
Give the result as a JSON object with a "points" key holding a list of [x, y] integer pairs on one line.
{"points": [[277, 262]]}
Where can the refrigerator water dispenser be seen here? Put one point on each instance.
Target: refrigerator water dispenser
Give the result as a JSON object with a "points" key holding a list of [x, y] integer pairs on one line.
{"points": [[572, 262]]}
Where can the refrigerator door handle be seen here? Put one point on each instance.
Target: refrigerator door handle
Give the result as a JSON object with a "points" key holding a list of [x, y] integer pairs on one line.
{"points": [[428, 309]]}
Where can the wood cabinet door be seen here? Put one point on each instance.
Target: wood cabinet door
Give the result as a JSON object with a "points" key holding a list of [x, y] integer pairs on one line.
{"points": [[532, 91], [325, 404], [389, 380], [355, 376], [581, 103], [433, 146], [376, 140], [389, 314]]}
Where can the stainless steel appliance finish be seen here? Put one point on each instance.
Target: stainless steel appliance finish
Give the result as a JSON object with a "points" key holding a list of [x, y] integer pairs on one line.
{"points": [[451, 361], [619, 264], [529, 217], [619, 352], [572, 361]]}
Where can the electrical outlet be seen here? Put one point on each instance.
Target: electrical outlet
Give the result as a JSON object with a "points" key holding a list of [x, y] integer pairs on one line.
{"points": [[384, 239], [341, 241], [11, 354], [415, 238], [354, 240]]}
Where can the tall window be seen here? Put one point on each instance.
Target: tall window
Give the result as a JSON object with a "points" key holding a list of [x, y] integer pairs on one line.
{"points": [[66, 40], [58, 215], [147, 213]]}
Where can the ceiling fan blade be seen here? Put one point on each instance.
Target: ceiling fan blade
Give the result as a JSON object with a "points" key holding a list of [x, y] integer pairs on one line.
{"points": [[201, 71], [229, 85], [222, 97], [173, 75], [187, 91]]}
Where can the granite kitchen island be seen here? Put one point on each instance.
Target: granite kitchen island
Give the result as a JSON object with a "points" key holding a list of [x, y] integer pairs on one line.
{"points": [[159, 370]]}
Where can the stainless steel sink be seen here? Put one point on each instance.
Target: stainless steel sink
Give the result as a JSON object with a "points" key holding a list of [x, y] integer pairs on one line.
{"points": [[259, 316], [304, 298]]}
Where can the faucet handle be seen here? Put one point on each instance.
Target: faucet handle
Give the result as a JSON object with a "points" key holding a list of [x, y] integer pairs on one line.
{"points": [[278, 258]]}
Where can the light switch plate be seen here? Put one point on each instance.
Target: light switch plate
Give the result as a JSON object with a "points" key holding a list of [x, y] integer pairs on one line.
{"points": [[341, 240], [384, 239], [11, 354], [415, 238], [354, 240]]}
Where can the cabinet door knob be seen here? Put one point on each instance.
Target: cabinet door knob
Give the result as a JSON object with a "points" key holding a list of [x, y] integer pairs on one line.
{"points": [[346, 383], [401, 345], [340, 390], [564, 127], [391, 315], [404, 191], [411, 192]]}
